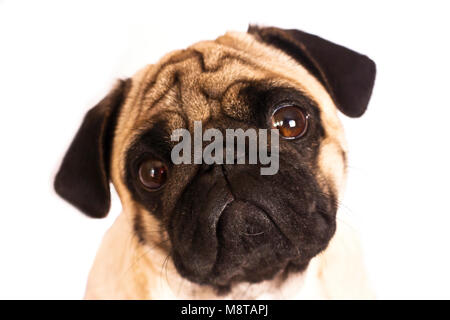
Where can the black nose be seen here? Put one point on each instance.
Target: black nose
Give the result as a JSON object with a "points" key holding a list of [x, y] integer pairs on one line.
{"points": [[250, 245]]}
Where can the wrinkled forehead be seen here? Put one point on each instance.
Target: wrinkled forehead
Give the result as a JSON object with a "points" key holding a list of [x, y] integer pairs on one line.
{"points": [[198, 83]]}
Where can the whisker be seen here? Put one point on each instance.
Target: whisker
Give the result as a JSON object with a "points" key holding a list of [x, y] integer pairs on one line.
{"points": [[165, 266], [147, 250], [252, 234]]}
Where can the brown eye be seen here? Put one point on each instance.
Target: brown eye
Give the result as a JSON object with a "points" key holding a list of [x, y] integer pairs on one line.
{"points": [[291, 121], [153, 174]]}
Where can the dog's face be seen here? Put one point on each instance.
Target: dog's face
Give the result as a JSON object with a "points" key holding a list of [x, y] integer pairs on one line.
{"points": [[226, 223]]}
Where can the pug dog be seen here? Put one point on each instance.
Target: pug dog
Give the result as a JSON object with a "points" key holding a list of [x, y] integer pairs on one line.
{"points": [[224, 231]]}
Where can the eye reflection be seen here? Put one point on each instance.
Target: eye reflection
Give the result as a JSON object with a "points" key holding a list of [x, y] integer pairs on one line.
{"points": [[153, 174], [291, 121]]}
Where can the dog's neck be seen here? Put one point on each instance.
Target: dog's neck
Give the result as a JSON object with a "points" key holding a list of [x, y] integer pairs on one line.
{"points": [[126, 269]]}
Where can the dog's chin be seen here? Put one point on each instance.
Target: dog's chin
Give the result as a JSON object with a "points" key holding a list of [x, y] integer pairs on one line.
{"points": [[248, 245]]}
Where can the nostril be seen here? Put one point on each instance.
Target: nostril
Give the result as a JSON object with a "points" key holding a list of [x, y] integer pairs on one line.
{"points": [[243, 226]]}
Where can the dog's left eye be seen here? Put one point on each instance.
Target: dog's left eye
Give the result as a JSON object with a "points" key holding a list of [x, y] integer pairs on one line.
{"points": [[153, 174], [290, 120]]}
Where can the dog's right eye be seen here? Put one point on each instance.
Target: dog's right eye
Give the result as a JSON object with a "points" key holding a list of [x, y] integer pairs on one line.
{"points": [[152, 174]]}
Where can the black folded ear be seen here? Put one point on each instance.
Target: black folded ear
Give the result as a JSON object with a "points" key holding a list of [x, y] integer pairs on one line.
{"points": [[83, 178], [347, 75]]}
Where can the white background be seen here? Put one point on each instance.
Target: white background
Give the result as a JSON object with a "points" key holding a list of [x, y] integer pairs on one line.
{"points": [[58, 59]]}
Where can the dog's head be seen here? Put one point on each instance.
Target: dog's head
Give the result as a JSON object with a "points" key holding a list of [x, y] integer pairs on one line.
{"points": [[225, 223]]}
